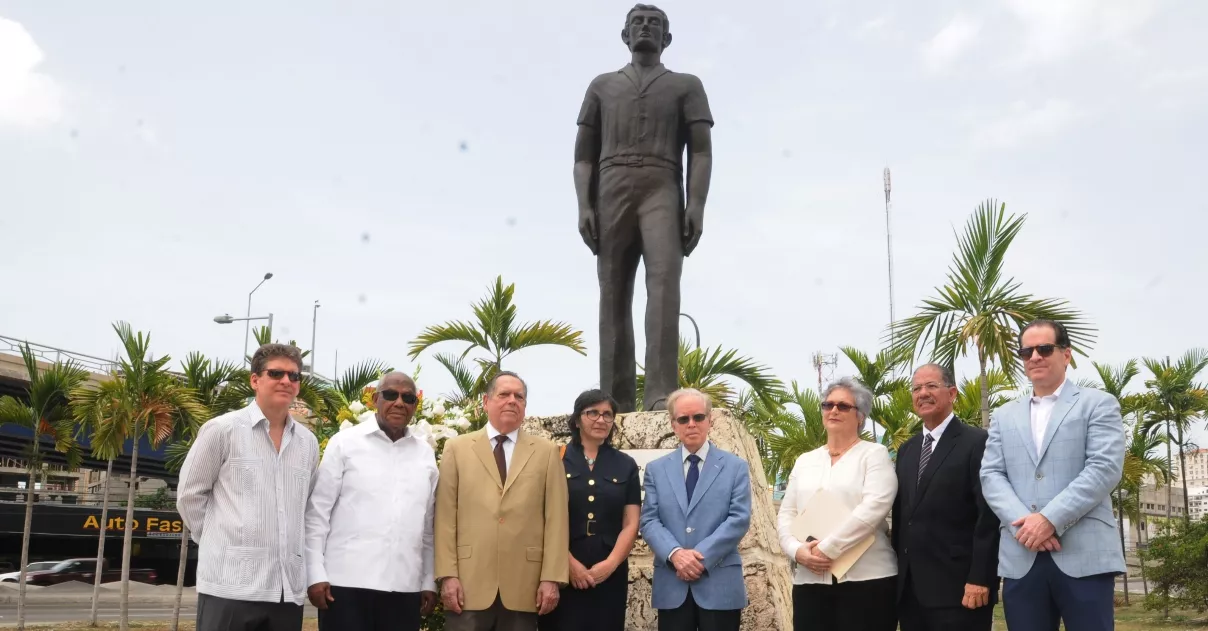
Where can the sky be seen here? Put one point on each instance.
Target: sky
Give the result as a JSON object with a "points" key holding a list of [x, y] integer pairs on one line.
{"points": [[391, 159]]}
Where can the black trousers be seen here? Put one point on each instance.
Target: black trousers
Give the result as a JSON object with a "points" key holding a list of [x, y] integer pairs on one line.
{"points": [[224, 614], [495, 618], [847, 606], [691, 617], [356, 609], [915, 617]]}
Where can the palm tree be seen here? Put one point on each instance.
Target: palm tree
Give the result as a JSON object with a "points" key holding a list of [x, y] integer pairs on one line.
{"points": [[142, 400], [1174, 401], [979, 308], [100, 547], [1140, 464], [495, 333], [967, 406], [896, 414], [220, 387], [794, 432], [879, 374], [46, 415], [708, 370]]}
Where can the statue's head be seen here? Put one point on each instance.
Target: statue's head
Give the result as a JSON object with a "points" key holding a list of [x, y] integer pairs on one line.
{"points": [[647, 29]]}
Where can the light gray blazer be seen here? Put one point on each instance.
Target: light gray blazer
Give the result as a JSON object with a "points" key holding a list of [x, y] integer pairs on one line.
{"points": [[1070, 482]]}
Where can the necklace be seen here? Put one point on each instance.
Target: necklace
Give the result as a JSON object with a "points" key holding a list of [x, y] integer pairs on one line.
{"points": [[836, 454], [590, 461]]}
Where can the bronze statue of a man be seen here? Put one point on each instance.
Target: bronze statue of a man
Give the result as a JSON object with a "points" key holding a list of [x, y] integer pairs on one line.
{"points": [[629, 177]]}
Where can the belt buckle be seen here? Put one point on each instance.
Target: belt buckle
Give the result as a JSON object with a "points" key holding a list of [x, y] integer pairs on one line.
{"points": [[589, 532], [634, 161]]}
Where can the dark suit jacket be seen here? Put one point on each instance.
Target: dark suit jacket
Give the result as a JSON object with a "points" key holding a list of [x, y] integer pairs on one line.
{"points": [[942, 529]]}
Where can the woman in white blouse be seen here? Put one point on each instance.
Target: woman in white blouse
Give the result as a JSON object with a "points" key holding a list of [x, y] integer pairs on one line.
{"points": [[860, 475]]}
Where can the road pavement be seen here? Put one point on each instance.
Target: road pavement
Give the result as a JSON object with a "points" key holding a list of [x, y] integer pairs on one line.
{"points": [[46, 614]]}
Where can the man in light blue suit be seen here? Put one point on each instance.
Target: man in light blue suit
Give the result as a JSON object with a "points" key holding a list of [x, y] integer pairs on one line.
{"points": [[697, 507], [1051, 462]]}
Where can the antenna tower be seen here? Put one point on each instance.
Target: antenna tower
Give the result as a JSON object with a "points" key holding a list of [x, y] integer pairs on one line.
{"points": [[825, 365]]}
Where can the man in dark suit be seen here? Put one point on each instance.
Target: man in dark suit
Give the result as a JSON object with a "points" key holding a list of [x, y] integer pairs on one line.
{"points": [[945, 534]]}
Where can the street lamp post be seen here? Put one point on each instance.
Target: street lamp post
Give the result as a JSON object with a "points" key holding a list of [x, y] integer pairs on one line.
{"points": [[694, 327], [247, 329], [227, 319], [313, 327]]}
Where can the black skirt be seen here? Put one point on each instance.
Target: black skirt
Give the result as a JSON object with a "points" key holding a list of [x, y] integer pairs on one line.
{"points": [[599, 608]]}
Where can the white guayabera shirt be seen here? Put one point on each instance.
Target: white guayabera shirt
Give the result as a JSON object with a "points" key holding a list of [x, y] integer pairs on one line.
{"points": [[369, 523], [245, 503]]}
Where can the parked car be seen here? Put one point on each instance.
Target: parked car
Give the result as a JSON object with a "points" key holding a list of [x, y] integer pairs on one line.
{"points": [[39, 566], [84, 571]]}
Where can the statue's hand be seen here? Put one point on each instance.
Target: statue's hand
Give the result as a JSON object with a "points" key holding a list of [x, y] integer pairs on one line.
{"points": [[694, 225], [587, 228]]}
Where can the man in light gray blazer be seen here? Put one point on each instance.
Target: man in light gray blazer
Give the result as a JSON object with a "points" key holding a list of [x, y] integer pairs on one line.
{"points": [[697, 507], [1051, 462]]}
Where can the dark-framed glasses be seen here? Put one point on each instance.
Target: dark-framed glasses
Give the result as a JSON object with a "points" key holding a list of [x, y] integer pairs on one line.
{"points": [[595, 415], [843, 407], [393, 395], [698, 418], [277, 373], [929, 387], [1045, 350]]}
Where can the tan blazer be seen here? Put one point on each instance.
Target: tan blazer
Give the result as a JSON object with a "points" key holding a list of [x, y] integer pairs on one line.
{"points": [[496, 538]]}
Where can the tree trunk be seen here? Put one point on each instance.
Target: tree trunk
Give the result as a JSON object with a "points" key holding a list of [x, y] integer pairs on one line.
{"points": [[1169, 501], [1141, 555], [1183, 475], [100, 546], [984, 381], [180, 575], [124, 617], [29, 521], [1123, 548]]}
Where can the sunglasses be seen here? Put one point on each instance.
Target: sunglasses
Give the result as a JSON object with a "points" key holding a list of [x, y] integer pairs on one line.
{"points": [[1045, 350], [843, 407], [277, 373], [592, 415], [700, 417], [391, 395]]}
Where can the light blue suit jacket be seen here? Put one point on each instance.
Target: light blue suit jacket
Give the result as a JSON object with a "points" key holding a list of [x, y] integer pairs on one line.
{"points": [[712, 524], [1070, 482]]}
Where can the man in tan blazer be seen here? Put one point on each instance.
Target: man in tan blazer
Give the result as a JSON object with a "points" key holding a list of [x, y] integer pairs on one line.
{"points": [[502, 536]]}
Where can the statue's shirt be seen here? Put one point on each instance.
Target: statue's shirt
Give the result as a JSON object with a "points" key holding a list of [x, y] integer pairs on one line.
{"points": [[644, 122]]}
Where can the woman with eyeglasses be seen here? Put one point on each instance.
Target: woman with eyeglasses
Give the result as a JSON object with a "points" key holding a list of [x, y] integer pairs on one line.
{"points": [[604, 496], [860, 476]]}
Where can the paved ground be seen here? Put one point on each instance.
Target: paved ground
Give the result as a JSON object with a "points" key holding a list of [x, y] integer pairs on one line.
{"points": [[44, 614]]}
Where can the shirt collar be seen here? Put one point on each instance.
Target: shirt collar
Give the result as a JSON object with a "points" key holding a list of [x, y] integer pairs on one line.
{"points": [[492, 433], [1051, 397], [258, 417], [703, 452], [939, 429]]}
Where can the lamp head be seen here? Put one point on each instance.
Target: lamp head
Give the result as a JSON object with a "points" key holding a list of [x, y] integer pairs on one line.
{"points": [[224, 319]]}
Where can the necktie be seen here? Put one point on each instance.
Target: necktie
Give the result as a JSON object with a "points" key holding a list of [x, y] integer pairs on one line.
{"points": [[693, 475], [500, 460], [926, 455]]}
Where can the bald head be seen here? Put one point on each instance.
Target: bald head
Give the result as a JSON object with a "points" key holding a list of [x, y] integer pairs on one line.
{"points": [[395, 378]]}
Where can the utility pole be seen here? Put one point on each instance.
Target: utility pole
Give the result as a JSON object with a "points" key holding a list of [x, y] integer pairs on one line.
{"points": [[889, 251]]}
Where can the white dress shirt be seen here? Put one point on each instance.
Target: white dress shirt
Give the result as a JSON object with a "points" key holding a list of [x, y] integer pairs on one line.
{"points": [[244, 502], [369, 520], [509, 445], [1042, 411], [938, 431], [703, 452], [863, 479]]}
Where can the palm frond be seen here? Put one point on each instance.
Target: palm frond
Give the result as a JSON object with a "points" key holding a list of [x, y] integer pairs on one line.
{"points": [[354, 380], [453, 331], [463, 378], [545, 333]]}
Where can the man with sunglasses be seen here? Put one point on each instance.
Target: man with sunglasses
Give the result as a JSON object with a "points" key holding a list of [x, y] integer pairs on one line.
{"points": [[242, 493], [1052, 460], [697, 507], [369, 521]]}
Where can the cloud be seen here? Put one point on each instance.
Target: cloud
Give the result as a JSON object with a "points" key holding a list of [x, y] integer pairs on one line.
{"points": [[1054, 29], [27, 98], [947, 46], [1024, 122]]}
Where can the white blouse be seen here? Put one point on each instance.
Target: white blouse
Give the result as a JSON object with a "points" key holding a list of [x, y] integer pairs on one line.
{"points": [[865, 480]]}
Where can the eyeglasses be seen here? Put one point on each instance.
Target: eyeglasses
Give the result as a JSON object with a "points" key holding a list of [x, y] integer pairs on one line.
{"points": [[699, 418], [1044, 349], [593, 415], [929, 387], [843, 407], [277, 373], [390, 395]]}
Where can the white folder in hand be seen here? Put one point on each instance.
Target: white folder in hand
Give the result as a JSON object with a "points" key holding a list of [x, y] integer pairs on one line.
{"points": [[822, 515]]}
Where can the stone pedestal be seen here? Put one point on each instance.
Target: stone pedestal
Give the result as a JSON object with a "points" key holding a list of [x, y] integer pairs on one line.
{"points": [[769, 584]]}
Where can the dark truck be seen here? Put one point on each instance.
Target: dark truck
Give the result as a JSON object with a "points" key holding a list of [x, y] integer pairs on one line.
{"points": [[84, 571]]}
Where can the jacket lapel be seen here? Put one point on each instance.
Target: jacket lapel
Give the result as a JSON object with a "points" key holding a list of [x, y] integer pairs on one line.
{"points": [[482, 449], [908, 464], [948, 440], [1023, 424], [709, 471], [521, 454], [674, 472], [1065, 402]]}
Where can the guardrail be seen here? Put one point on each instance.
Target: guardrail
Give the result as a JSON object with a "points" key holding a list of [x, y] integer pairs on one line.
{"points": [[12, 346]]}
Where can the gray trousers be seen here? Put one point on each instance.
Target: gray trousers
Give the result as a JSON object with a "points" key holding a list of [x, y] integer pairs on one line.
{"points": [[495, 618], [223, 614]]}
